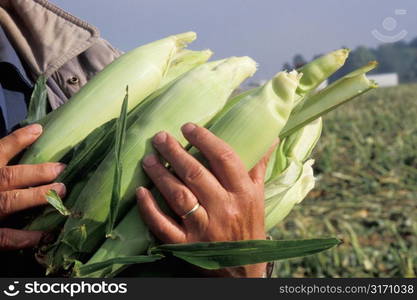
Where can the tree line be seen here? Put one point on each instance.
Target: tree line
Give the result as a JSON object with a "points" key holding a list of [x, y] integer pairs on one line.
{"points": [[399, 57]]}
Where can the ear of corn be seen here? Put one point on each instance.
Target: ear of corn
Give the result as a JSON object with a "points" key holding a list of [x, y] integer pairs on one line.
{"points": [[141, 69], [314, 74], [196, 97], [268, 108], [299, 144]]}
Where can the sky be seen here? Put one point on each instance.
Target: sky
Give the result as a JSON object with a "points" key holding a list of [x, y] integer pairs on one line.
{"points": [[269, 31]]}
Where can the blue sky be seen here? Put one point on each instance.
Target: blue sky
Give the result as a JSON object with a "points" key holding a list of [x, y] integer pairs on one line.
{"points": [[269, 31]]}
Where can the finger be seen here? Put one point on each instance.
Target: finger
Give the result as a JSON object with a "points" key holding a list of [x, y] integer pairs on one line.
{"points": [[12, 239], [224, 162], [18, 140], [161, 225], [258, 171], [21, 176], [17, 200], [178, 196], [195, 176]]}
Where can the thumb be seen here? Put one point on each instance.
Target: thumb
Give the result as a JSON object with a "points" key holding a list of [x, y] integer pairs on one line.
{"points": [[258, 171]]}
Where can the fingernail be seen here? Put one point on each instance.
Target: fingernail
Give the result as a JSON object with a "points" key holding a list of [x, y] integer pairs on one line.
{"points": [[60, 189], [59, 168], [160, 137], [188, 128], [150, 160], [35, 129], [140, 192]]}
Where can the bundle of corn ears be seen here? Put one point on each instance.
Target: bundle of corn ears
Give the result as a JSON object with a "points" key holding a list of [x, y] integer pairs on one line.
{"points": [[100, 230]]}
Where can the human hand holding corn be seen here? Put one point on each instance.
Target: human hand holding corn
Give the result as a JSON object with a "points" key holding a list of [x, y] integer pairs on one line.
{"points": [[214, 188], [223, 203], [15, 183]]}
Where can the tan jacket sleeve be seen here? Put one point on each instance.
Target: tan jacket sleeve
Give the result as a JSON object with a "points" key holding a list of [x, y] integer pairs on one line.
{"points": [[53, 42]]}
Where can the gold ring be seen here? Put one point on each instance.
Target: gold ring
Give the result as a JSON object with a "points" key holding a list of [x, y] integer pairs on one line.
{"points": [[185, 216]]}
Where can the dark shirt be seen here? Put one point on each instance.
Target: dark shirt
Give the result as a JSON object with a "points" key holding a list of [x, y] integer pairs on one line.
{"points": [[15, 91], [15, 87]]}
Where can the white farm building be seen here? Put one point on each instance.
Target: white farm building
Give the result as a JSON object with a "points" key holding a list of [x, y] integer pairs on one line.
{"points": [[385, 79]]}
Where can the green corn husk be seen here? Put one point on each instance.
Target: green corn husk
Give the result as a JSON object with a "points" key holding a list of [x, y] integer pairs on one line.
{"points": [[196, 97], [268, 108], [346, 88], [314, 73], [38, 103], [317, 71], [283, 181], [278, 206], [141, 69], [184, 61], [210, 256], [50, 219], [300, 144], [274, 112], [277, 163]]}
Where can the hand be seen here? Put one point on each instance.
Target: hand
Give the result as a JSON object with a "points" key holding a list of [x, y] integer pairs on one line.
{"points": [[16, 181], [231, 198]]}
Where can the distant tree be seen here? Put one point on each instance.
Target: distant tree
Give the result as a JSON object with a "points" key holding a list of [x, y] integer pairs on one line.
{"points": [[386, 54], [409, 74], [400, 44], [397, 58], [287, 66], [359, 57], [413, 43], [298, 61]]}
